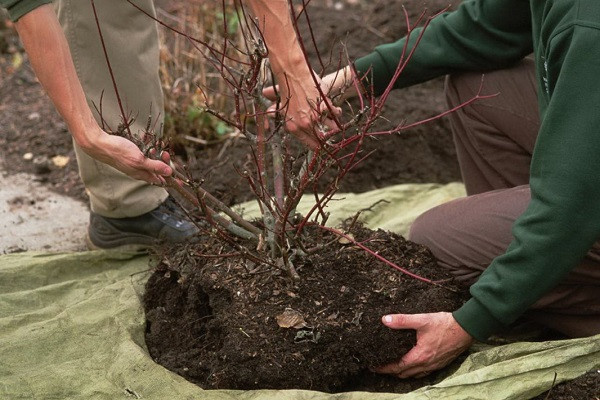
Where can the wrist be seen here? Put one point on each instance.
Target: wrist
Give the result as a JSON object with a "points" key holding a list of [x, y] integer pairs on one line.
{"points": [[88, 136], [475, 319]]}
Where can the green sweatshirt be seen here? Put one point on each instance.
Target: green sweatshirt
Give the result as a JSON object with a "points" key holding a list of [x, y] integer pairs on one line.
{"points": [[18, 8], [562, 220]]}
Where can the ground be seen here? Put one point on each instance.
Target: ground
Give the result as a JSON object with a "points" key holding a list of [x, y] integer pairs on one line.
{"points": [[38, 170]]}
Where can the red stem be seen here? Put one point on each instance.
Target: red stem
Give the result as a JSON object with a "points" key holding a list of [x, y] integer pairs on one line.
{"points": [[110, 70], [380, 258]]}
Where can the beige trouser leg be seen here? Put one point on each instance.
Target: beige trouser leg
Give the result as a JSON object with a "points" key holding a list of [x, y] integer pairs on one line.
{"points": [[132, 43], [494, 143]]}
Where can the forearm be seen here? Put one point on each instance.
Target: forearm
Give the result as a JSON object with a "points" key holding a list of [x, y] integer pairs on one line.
{"points": [[562, 220], [299, 88], [50, 58], [285, 54]]}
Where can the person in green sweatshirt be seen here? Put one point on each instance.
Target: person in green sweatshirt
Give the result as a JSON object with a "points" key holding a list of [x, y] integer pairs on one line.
{"points": [[526, 237], [129, 208]]}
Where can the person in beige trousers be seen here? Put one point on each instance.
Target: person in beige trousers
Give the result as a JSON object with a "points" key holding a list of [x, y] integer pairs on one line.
{"points": [[129, 208]]}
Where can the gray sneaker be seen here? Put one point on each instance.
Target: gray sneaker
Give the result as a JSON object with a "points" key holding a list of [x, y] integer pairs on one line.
{"points": [[165, 223]]}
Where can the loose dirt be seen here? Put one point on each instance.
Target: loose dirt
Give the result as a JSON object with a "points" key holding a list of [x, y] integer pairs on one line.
{"points": [[213, 317], [229, 323]]}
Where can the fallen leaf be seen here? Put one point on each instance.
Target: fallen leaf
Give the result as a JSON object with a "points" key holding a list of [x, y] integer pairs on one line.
{"points": [[344, 240], [17, 60], [291, 319]]}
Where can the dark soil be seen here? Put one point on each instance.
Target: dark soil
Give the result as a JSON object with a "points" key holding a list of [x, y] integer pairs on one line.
{"points": [[586, 387], [216, 321], [30, 124]]}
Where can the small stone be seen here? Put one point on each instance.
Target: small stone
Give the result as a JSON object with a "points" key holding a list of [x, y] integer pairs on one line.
{"points": [[33, 116], [346, 240], [60, 161]]}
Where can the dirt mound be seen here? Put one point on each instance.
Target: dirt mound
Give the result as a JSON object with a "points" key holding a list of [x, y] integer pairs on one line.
{"points": [[226, 322]]}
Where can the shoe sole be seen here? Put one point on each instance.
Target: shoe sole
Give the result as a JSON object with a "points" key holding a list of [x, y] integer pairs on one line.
{"points": [[129, 248]]}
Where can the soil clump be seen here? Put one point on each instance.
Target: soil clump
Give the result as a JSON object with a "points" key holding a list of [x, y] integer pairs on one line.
{"points": [[222, 321]]}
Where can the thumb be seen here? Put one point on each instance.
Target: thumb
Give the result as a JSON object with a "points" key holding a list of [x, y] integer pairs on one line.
{"points": [[403, 321]]}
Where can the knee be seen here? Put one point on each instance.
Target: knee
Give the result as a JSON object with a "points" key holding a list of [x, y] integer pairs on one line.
{"points": [[431, 230], [425, 229]]}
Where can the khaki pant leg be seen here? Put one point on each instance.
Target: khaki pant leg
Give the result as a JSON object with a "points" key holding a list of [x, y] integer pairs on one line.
{"points": [[132, 44]]}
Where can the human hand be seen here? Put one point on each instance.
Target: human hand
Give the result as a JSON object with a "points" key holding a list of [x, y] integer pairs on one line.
{"points": [[440, 339], [124, 155], [306, 113]]}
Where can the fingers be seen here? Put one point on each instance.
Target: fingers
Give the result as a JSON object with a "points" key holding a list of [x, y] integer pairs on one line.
{"points": [[306, 136], [336, 111], [390, 369], [331, 129], [404, 321], [401, 370], [415, 372], [414, 364], [165, 157], [156, 167]]}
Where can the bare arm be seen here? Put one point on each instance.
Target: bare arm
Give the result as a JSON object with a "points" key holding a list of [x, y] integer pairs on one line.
{"points": [[292, 73], [50, 58]]}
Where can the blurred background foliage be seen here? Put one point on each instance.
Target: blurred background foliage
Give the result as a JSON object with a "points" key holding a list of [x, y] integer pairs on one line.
{"points": [[189, 81]]}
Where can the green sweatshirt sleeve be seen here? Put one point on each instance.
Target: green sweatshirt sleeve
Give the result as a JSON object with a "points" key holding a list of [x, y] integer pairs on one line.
{"points": [[479, 35], [563, 218], [18, 8]]}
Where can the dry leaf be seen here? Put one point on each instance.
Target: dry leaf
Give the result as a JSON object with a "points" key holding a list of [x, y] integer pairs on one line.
{"points": [[290, 319], [344, 240], [17, 60]]}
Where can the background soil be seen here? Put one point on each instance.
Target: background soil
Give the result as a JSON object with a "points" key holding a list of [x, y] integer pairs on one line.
{"points": [[29, 124], [423, 154]]}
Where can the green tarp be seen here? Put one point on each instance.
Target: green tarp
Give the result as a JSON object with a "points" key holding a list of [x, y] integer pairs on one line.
{"points": [[393, 208], [72, 327]]}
